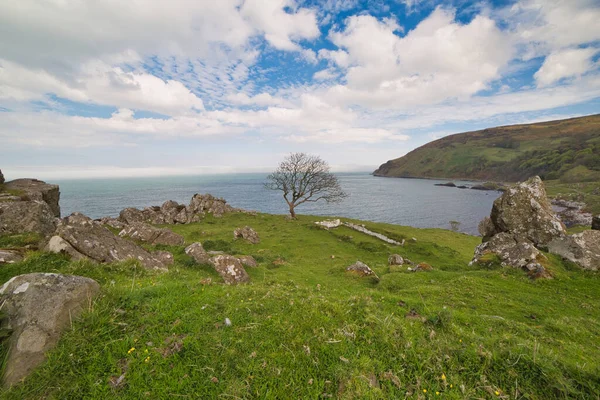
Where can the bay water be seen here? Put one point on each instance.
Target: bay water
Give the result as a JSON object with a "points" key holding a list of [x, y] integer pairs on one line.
{"points": [[412, 202]]}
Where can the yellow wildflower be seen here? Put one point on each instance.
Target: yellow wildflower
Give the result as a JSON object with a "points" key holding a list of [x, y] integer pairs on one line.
{"points": [[147, 359], [424, 390], [131, 350], [497, 393], [437, 393], [443, 377]]}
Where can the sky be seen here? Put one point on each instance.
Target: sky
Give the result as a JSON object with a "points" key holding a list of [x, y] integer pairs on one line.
{"points": [[114, 88]]}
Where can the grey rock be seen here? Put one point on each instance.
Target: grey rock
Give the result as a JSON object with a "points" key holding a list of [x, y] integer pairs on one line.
{"points": [[39, 308], [197, 252], [164, 256], [581, 248], [361, 269], [149, 234], [38, 190], [248, 261], [131, 215], [206, 203], [10, 256], [112, 222], [395, 259], [524, 211], [247, 234], [230, 268], [26, 216], [517, 252], [98, 243], [58, 245]]}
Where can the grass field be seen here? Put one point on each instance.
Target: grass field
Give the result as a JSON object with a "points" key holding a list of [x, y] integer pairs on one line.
{"points": [[305, 329]]}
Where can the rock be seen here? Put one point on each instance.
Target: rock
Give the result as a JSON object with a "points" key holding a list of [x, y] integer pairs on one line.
{"points": [[361, 269], [248, 261], [149, 234], [131, 215], [230, 269], [38, 190], [59, 245], [112, 222], [447, 184], [39, 308], [489, 186], [26, 216], [582, 248], [329, 224], [596, 223], [197, 252], [395, 259], [1, 177], [170, 209], [523, 210], [512, 251], [247, 234], [201, 204], [164, 256], [571, 212], [98, 243], [421, 267], [462, 187], [10, 256]]}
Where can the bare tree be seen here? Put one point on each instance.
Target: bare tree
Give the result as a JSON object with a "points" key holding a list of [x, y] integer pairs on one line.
{"points": [[304, 178]]}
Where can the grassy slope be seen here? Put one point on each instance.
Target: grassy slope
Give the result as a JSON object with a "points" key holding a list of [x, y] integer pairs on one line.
{"points": [[567, 150], [305, 329]]}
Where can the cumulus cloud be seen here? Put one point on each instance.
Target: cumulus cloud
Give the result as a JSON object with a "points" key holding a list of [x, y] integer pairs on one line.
{"points": [[565, 64]]}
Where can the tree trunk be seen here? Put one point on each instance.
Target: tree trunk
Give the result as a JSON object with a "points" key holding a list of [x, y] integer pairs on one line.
{"points": [[292, 212]]}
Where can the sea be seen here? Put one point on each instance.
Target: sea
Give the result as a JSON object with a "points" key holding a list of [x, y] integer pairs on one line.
{"points": [[412, 202]]}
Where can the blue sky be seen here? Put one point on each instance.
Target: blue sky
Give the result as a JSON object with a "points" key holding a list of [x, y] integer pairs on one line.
{"points": [[114, 88]]}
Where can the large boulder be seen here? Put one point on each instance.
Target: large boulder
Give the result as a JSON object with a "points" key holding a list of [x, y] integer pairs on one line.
{"points": [[512, 251], [37, 190], [581, 248], [247, 234], [131, 215], [149, 234], [95, 241], [39, 308], [524, 210], [230, 268], [26, 216]]}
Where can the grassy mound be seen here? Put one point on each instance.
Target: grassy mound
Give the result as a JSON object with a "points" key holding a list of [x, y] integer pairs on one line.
{"points": [[305, 329]]}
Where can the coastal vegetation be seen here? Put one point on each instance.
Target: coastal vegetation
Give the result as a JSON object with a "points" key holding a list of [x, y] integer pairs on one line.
{"points": [[564, 153], [304, 328]]}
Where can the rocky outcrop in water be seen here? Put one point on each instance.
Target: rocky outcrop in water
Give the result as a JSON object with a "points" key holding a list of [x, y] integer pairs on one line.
{"points": [[92, 240], [571, 213], [39, 308], [172, 212]]}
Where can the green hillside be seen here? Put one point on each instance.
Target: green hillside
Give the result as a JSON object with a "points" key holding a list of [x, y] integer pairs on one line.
{"points": [[566, 150], [305, 329]]}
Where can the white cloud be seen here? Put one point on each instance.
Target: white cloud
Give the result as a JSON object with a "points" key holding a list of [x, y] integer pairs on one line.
{"points": [[325, 74], [358, 135], [565, 64], [99, 83], [262, 99], [440, 59], [338, 57], [281, 29]]}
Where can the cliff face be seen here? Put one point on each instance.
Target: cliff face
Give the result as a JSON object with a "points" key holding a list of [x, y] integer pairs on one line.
{"points": [[568, 150]]}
